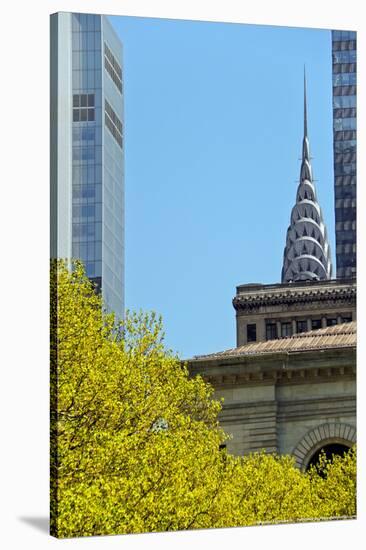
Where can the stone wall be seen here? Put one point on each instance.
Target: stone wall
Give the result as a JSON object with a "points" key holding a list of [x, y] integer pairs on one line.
{"points": [[282, 403]]}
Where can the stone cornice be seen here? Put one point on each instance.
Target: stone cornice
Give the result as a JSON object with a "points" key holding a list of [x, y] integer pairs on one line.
{"points": [[284, 368], [342, 293], [286, 377]]}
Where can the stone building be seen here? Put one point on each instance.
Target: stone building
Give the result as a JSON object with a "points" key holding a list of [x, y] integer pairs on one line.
{"points": [[293, 395], [267, 312], [290, 384]]}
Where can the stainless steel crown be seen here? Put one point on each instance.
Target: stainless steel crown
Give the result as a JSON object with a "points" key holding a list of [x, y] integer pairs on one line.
{"points": [[307, 252]]}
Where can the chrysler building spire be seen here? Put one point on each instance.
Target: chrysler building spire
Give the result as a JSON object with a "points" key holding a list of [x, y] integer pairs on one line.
{"points": [[305, 109], [307, 253]]}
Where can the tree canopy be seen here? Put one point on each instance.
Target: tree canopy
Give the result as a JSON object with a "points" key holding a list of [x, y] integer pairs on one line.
{"points": [[135, 442]]}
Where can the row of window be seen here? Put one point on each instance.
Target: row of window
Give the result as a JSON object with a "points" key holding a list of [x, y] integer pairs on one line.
{"points": [[346, 200], [348, 262], [345, 192], [86, 135], [345, 157], [111, 127], [113, 123], [86, 41], [348, 123], [348, 232], [349, 271], [344, 45], [87, 192], [83, 100], [348, 56], [91, 79], [112, 67], [92, 211], [113, 61], [347, 248], [344, 79], [87, 174], [112, 115], [83, 115], [346, 226], [345, 169], [345, 203], [344, 68], [86, 22], [344, 101], [344, 135], [83, 107], [286, 328], [346, 146], [87, 154], [86, 60], [113, 75], [90, 251], [344, 35], [87, 231], [344, 112], [343, 181], [346, 236], [344, 90]]}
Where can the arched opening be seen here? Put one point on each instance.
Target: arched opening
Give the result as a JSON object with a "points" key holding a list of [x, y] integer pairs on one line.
{"points": [[329, 450]]}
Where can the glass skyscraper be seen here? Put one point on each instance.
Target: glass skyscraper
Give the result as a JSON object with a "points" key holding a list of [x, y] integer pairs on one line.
{"points": [[344, 134], [87, 166]]}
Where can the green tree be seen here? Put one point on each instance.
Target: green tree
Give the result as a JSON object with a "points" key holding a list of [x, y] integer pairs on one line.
{"points": [[135, 441], [334, 483]]}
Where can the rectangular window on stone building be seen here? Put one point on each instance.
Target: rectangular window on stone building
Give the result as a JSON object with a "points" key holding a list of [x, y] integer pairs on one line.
{"points": [[331, 321], [346, 318], [286, 329], [271, 331], [316, 323], [301, 326], [252, 333]]}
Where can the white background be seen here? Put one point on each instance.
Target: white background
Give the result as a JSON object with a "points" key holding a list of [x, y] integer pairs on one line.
{"points": [[24, 237]]}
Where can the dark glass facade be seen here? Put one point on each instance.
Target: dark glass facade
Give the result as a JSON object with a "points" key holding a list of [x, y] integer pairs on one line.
{"points": [[344, 50]]}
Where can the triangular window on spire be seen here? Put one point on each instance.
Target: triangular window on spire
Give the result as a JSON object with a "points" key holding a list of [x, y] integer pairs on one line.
{"points": [[305, 232]]}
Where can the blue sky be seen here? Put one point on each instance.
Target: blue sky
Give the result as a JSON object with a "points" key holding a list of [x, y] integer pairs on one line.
{"points": [[213, 133]]}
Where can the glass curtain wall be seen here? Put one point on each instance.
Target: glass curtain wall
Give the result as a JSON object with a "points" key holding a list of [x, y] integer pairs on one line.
{"points": [[344, 132]]}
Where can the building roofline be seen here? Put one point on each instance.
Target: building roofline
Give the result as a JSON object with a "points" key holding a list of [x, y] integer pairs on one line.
{"points": [[249, 287], [342, 336]]}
